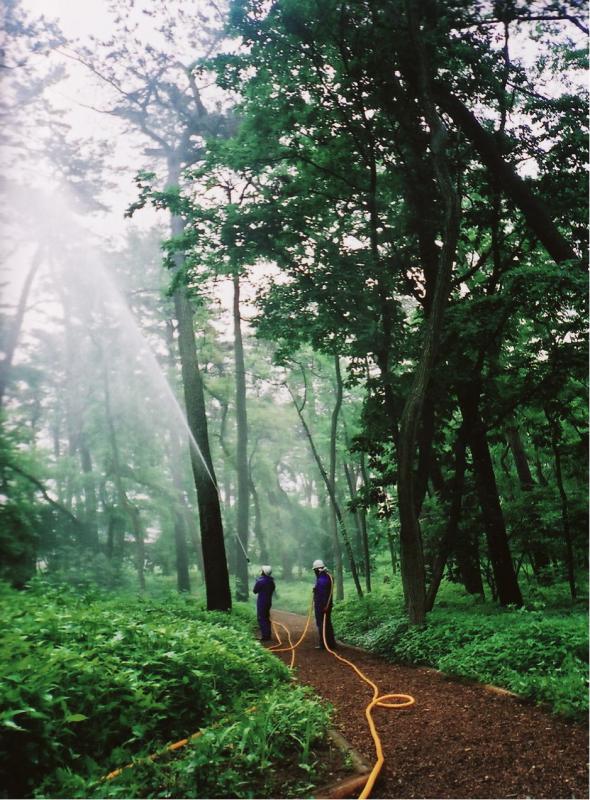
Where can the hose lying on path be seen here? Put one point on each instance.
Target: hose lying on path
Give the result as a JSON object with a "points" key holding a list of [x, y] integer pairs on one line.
{"points": [[378, 700]]}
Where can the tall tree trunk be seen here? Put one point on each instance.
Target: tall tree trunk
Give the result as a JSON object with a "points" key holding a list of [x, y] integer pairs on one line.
{"points": [[14, 327], [567, 534], [331, 494], [212, 542], [241, 450], [214, 557], [504, 575], [365, 533], [183, 582], [89, 493], [332, 476], [519, 455], [355, 515], [449, 537], [412, 557], [127, 507], [361, 514], [467, 553], [184, 530], [258, 529], [538, 554]]}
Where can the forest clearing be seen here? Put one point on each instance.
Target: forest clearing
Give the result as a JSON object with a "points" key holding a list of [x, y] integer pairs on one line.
{"points": [[293, 343]]}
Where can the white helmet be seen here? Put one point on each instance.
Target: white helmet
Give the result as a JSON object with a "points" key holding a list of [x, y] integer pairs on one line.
{"points": [[266, 569], [318, 564]]}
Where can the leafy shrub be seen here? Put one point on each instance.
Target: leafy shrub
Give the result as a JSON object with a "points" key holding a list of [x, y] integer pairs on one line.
{"points": [[89, 682], [537, 654], [235, 759]]}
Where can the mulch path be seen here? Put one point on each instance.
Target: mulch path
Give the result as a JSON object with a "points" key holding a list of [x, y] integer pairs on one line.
{"points": [[458, 741]]}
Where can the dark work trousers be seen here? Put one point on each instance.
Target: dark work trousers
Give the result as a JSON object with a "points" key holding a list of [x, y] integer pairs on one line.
{"points": [[263, 614], [264, 588]]}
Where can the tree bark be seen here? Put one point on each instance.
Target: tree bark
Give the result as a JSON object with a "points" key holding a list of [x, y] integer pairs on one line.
{"points": [[449, 537], [567, 534], [14, 328], [243, 503], [127, 507], [217, 587], [89, 494], [258, 529], [331, 494], [332, 474], [412, 558], [183, 582], [538, 555], [356, 516], [365, 533], [213, 546], [504, 575]]}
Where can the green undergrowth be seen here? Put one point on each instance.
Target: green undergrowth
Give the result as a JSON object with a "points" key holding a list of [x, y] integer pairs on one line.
{"points": [[90, 683], [539, 652]]}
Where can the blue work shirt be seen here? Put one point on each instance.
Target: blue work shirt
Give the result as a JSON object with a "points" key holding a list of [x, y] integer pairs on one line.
{"points": [[322, 591], [264, 587]]}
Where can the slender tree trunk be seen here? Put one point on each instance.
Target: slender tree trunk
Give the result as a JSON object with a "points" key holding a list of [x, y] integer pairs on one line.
{"points": [[192, 528], [425, 437], [212, 541], [213, 545], [449, 537], [520, 458], [539, 556], [567, 534], [365, 533], [391, 545], [468, 561], [258, 529], [182, 512], [542, 480], [110, 545], [89, 494], [127, 507], [356, 516], [332, 475], [332, 496], [361, 513], [182, 572], [241, 450], [13, 329], [504, 575]]}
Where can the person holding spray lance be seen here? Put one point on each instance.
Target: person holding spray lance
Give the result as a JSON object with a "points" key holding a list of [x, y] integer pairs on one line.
{"points": [[264, 588], [322, 603]]}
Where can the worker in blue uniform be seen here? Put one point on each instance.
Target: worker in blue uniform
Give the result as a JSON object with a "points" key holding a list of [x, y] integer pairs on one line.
{"points": [[322, 603], [264, 588]]}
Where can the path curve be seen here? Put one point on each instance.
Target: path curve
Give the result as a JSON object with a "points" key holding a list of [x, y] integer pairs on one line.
{"points": [[458, 741]]}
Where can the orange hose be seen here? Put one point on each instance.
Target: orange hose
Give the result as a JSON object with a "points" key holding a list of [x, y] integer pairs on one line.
{"points": [[171, 747], [377, 700]]}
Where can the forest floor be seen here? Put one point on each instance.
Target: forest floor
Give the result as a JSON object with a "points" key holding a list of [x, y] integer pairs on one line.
{"points": [[459, 740]]}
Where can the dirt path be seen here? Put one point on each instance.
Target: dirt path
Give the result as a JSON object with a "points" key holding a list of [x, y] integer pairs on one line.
{"points": [[458, 741]]}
